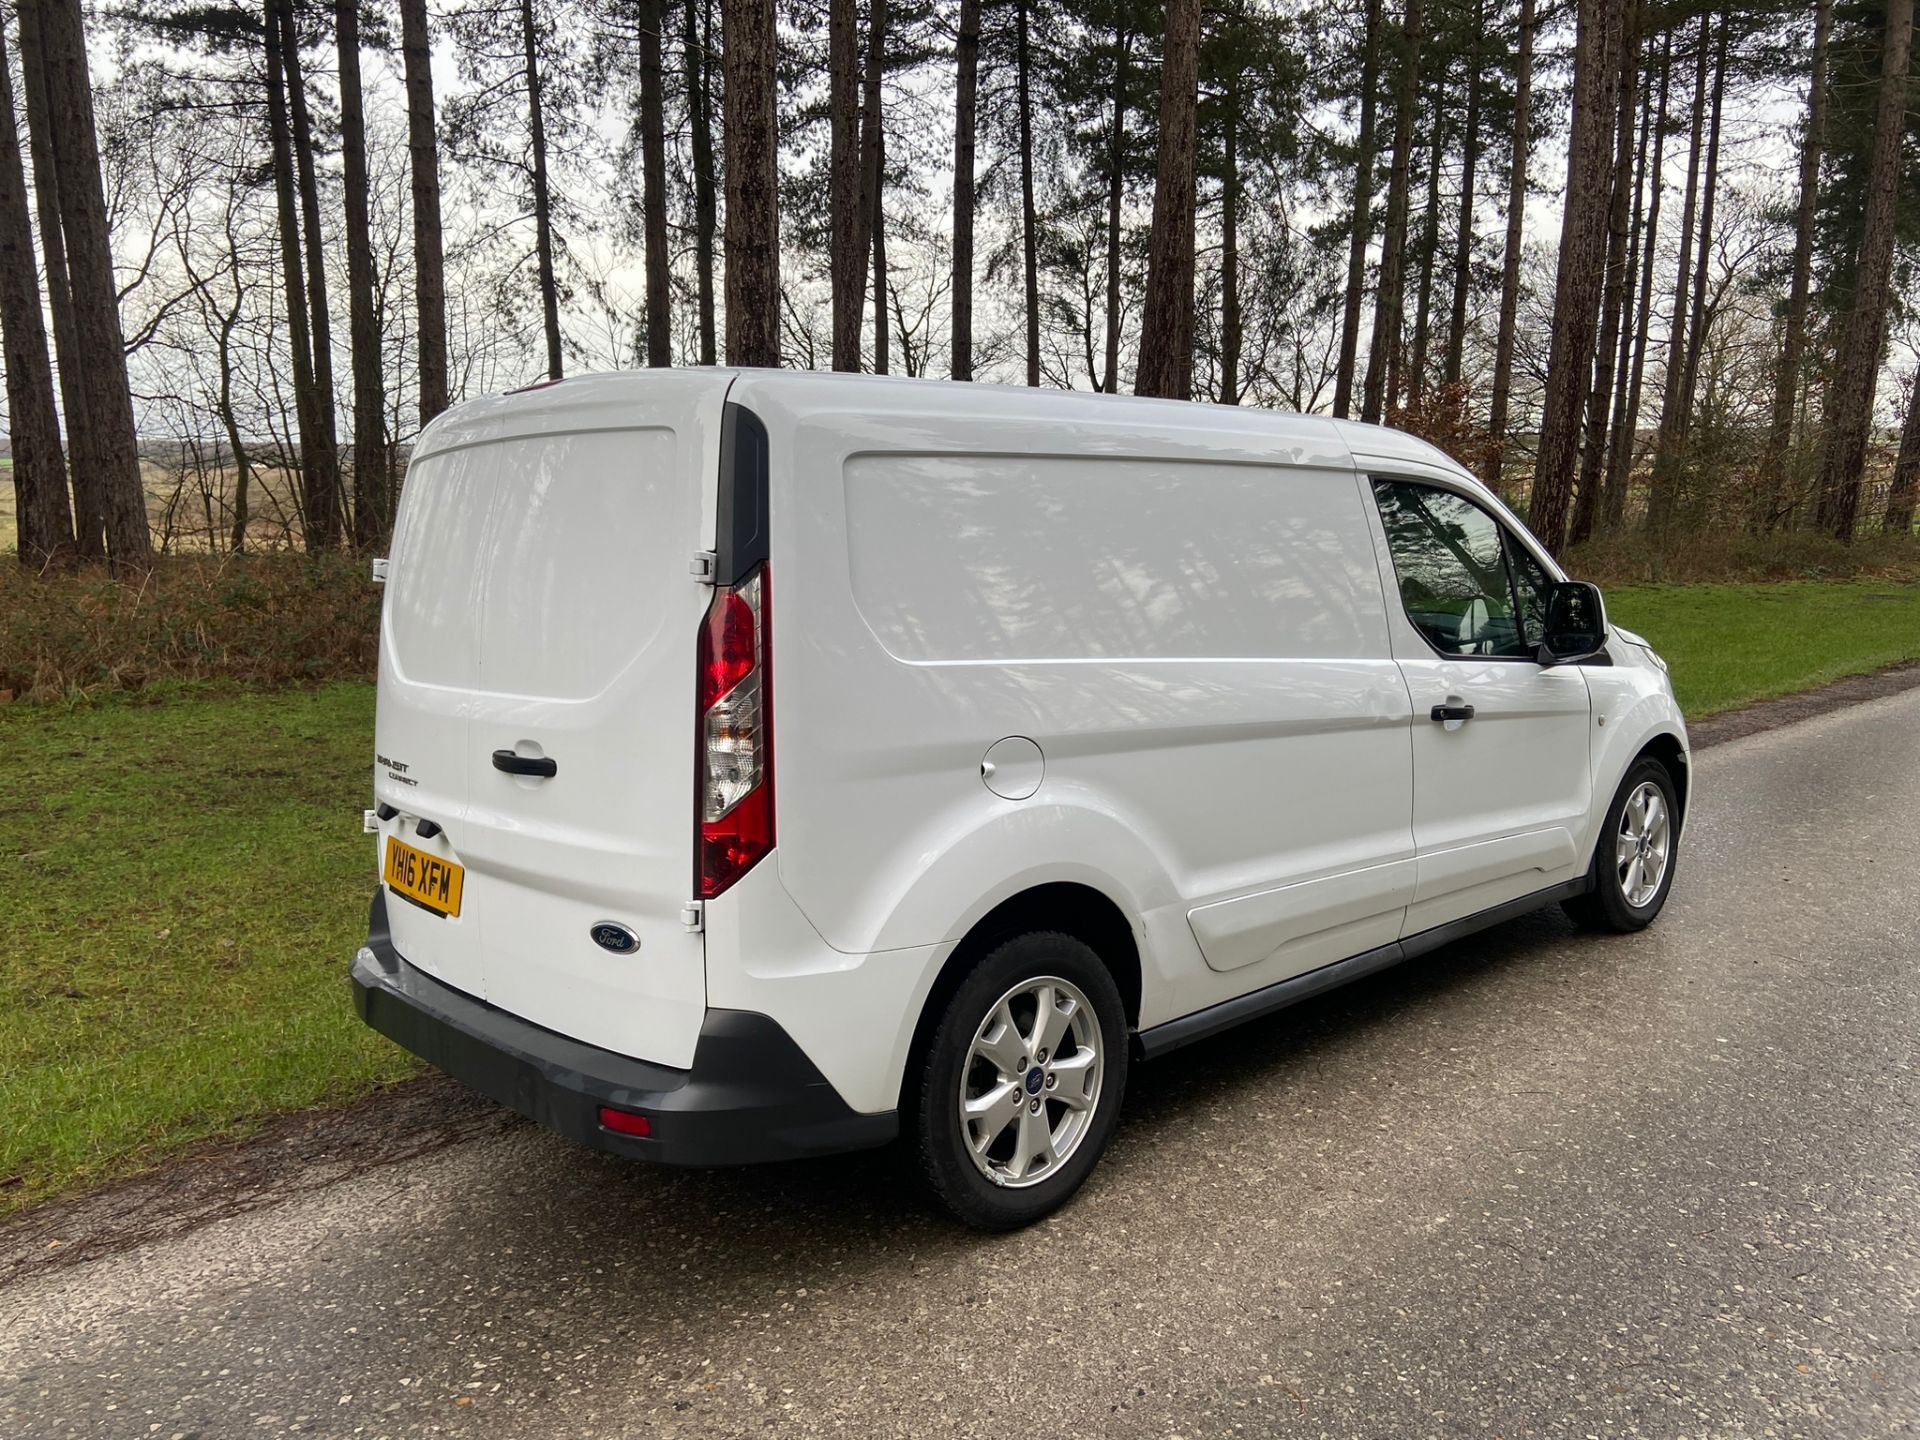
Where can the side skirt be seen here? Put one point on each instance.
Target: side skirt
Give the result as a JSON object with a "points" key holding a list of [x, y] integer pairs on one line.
{"points": [[1170, 1036]]}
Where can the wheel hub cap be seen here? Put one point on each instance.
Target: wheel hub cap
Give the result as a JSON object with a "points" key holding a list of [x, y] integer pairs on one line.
{"points": [[1022, 1118], [1643, 848]]}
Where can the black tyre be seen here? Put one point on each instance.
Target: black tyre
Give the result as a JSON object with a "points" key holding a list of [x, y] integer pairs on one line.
{"points": [[1021, 1084], [1635, 857]]}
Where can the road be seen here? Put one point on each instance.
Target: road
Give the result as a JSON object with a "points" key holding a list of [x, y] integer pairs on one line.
{"points": [[1538, 1184]]}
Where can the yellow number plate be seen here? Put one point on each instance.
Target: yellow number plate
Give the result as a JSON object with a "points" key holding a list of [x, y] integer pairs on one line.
{"points": [[423, 878]]}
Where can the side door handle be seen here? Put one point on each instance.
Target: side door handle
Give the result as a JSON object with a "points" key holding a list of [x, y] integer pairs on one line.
{"points": [[539, 766], [1445, 713]]}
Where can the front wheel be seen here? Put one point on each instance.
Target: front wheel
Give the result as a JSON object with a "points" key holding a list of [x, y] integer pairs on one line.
{"points": [[1634, 860], [1022, 1082]]}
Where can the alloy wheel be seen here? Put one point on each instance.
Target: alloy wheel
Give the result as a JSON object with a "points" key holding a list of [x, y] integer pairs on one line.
{"points": [[1031, 1082], [1642, 849]]}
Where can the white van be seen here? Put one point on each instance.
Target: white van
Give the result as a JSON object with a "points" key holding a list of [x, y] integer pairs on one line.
{"points": [[771, 763]]}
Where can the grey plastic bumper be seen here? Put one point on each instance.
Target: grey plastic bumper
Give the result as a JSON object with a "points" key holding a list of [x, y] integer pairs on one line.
{"points": [[751, 1094]]}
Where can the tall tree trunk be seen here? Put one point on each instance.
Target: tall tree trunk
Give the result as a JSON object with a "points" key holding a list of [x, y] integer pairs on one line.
{"points": [[846, 183], [43, 519], [1029, 211], [106, 415], [89, 518], [236, 442], [882, 338], [752, 137], [1863, 342], [1905, 489], [1793, 338], [1615, 295], [316, 500], [542, 193], [966, 102], [699, 43], [1626, 423], [1414, 383], [1389, 303], [1703, 248], [876, 182], [653, 165], [1673, 420], [1116, 197], [370, 507], [1510, 265], [1452, 361], [429, 264], [1361, 235], [1166, 330], [1230, 325], [1582, 261], [327, 524]]}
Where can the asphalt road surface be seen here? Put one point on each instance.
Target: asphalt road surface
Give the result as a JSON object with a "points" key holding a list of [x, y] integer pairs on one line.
{"points": [[1535, 1184]]}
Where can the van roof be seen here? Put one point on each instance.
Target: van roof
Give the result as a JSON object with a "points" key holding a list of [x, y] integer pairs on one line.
{"points": [[536, 407]]}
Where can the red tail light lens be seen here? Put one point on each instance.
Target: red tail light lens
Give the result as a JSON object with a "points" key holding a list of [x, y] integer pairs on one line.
{"points": [[734, 806]]}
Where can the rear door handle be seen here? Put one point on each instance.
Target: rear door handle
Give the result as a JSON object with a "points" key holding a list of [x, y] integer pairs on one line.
{"points": [[539, 766], [1444, 713]]}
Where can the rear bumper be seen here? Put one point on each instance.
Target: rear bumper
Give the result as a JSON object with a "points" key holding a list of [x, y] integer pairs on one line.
{"points": [[751, 1095]]}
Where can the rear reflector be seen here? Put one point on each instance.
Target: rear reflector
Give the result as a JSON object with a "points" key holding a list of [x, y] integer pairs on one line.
{"points": [[625, 1122]]}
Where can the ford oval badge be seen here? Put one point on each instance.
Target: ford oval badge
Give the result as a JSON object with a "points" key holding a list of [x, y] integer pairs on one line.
{"points": [[609, 935]]}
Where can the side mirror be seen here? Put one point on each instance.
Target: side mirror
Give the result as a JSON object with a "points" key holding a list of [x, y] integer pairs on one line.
{"points": [[1576, 624]]}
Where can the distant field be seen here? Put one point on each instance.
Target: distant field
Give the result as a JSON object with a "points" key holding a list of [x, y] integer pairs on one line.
{"points": [[181, 882], [178, 510]]}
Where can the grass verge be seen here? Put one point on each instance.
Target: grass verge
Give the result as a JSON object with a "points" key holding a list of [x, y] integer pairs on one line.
{"points": [[180, 887], [1732, 644], [181, 883]]}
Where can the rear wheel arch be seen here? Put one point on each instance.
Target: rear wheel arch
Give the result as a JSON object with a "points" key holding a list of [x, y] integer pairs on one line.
{"points": [[1067, 907]]}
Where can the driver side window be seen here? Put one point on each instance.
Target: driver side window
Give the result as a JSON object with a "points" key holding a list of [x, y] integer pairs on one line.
{"points": [[1452, 561]]}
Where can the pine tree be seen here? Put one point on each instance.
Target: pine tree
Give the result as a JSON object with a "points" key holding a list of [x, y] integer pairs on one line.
{"points": [[1793, 341], [966, 108], [42, 515], [110, 449], [1863, 342], [370, 486], [429, 265], [751, 136], [1166, 340], [1580, 271], [1505, 337]]}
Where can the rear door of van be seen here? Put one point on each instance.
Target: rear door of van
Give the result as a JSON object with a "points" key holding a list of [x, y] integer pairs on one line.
{"points": [[540, 615]]}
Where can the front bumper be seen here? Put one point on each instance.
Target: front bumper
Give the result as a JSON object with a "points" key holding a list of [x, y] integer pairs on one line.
{"points": [[751, 1095]]}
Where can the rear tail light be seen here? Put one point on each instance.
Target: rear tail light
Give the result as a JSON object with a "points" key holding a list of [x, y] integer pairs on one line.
{"points": [[734, 806]]}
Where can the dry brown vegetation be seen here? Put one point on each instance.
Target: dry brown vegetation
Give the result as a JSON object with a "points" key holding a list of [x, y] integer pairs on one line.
{"points": [[260, 620]]}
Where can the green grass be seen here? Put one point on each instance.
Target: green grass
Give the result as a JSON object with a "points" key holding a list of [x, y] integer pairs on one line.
{"points": [[1730, 644], [181, 883], [181, 886]]}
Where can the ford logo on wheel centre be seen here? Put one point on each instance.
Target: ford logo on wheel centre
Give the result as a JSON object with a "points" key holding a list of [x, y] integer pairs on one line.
{"points": [[609, 935]]}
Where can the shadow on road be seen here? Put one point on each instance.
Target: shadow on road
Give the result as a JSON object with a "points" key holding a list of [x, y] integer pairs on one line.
{"points": [[710, 1235]]}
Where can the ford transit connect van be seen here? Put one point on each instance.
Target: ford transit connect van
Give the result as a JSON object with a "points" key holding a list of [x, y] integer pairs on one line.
{"points": [[770, 764]]}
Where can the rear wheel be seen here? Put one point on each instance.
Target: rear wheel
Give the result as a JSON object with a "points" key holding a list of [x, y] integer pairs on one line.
{"points": [[1021, 1085], [1634, 860]]}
